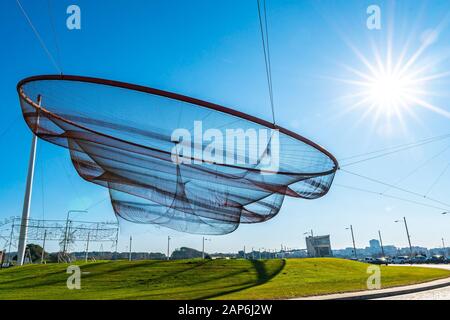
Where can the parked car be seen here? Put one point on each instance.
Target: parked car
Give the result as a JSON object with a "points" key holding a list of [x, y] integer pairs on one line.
{"points": [[401, 260], [368, 260], [419, 259], [437, 259], [381, 260]]}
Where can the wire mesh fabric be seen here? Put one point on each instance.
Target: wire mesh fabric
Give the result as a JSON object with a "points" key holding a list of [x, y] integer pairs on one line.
{"points": [[121, 136]]}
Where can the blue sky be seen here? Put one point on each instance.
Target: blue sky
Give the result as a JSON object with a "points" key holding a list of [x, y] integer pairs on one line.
{"points": [[211, 50]]}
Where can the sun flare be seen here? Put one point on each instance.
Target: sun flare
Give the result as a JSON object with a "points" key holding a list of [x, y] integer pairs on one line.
{"points": [[389, 92], [391, 85]]}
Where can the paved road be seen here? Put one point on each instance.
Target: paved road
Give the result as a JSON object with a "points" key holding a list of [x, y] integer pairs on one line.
{"points": [[436, 294]]}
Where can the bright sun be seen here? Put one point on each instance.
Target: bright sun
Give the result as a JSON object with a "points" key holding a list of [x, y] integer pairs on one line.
{"points": [[389, 92], [390, 86]]}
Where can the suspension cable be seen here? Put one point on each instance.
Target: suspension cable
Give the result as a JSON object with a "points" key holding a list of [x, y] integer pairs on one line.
{"points": [[423, 164], [266, 48], [38, 36], [392, 150], [391, 197], [55, 37], [395, 187]]}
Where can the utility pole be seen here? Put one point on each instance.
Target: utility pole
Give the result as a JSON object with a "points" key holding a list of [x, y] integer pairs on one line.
{"points": [[87, 248], [353, 239], [28, 192], [131, 242], [168, 248], [245, 256], [43, 247], [381, 243]]}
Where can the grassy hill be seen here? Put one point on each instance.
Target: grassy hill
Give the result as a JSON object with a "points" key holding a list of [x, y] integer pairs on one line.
{"points": [[203, 279]]}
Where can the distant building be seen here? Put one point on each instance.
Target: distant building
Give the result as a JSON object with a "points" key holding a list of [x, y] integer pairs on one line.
{"points": [[319, 246], [374, 245], [440, 252], [390, 250]]}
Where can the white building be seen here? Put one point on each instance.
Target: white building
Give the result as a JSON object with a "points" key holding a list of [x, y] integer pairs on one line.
{"points": [[319, 246]]}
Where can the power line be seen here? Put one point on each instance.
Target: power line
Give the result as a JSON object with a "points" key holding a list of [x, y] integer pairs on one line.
{"points": [[389, 196], [395, 187], [395, 149], [38, 36], [392, 147], [438, 178], [419, 167]]}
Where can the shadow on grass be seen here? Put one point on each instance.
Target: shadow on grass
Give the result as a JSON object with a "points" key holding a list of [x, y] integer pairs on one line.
{"points": [[188, 286], [262, 276], [49, 280]]}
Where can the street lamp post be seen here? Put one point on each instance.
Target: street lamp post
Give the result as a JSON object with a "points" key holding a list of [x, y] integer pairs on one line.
{"points": [[131, 243], [407, 234], [203, 247], [444, 248], [443, 243], [381, 243], [168, 247], [353, 240]]}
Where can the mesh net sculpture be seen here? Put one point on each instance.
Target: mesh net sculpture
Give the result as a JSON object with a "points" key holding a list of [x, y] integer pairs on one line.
{"points": [[121, 136]]}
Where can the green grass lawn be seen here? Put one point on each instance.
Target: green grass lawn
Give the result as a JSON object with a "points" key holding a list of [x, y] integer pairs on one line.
{"points": [[203, 279]]}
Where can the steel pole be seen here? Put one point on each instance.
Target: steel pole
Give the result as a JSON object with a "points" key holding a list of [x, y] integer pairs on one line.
{"points": [[444, 248], [409, 238], [87, 248], [203, 249], [27, 199], [43, 247], [66, 235], [10, 241], [131, 242], [168, 248], [381, 243], [65, 232], [353, 239]]}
